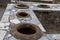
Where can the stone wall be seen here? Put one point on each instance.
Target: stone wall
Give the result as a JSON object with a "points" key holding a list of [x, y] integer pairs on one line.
{"points": [[48, 1], [31, 0], [57, 1], [4, 2]]}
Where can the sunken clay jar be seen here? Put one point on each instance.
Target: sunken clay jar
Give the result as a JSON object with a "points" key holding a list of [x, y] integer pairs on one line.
{"points": [[43, 6], [26, 31], [22, 14], [22, 6]]}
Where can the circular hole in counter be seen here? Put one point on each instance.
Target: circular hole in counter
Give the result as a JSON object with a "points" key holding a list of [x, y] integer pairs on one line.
{"points": [[22, 6], [43, 6]]}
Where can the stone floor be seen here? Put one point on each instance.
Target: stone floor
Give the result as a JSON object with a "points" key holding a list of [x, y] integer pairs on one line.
{"points": [[2, 9]]}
